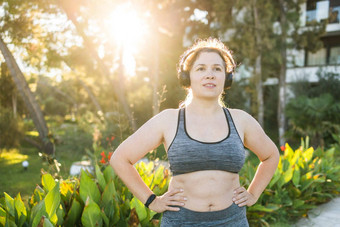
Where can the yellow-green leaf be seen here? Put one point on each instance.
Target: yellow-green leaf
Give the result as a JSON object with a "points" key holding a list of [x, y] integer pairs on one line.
{"points": [[108, 193], [275, 178], [308, 154], [289, 153], [296, 177], [288, 174], [52, 201], [296, 157], [91, 214], [47, 223], [37, 212], [100, 178], [9, 204], [158, 176], [88, 188], [48, 182], [73, 214], [108, 174], [2, 217], [140, 208], [20, 210]]}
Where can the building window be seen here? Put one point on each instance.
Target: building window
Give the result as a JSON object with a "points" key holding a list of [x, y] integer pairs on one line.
{"points": [[334, 12], [334, 56], [318, 58], [295, 58], [317, 10]]}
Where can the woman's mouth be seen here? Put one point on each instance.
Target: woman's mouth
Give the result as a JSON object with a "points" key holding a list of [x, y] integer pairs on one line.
{"points": [[209, 85]]}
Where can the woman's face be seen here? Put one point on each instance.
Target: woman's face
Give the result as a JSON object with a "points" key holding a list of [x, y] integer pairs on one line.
{"points": [[207, 75]]}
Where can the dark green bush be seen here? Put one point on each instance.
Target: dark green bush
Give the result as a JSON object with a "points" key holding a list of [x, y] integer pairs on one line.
{"points": [[315, 109], [11, 129], [304, 178]]}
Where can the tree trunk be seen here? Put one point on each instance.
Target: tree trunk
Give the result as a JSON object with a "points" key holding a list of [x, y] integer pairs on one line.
{"points": [[258, 68], [28, 98], [102, 67], [282, 76], [155, 97], [259, 89], [14, 104]]}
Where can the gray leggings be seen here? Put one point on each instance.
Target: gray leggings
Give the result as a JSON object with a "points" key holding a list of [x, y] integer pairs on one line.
{"points": [[234, 216]]}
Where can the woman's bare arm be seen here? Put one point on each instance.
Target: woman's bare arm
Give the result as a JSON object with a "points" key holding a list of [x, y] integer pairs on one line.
{"points": [[145, 139], [258, 142]]}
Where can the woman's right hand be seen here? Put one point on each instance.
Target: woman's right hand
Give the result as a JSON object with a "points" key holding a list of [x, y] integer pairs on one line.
{"points": [[167, 200]]}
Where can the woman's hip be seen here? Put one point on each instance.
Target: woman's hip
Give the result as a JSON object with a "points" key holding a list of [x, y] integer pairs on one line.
{"points": [[232, 216]]}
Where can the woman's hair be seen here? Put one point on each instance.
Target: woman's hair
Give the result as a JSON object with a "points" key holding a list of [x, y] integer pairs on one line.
{"points": [[188, 58]]}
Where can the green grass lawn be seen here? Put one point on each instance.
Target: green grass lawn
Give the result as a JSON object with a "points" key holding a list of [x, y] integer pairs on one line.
{"points": [[14, 178]]}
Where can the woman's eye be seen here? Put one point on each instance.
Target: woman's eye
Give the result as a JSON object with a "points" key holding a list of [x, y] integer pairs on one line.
{"points": [[218, 69], [200, 69]]}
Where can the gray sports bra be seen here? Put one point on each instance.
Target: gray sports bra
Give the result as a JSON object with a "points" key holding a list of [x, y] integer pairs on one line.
{"points": [[187, 155]]}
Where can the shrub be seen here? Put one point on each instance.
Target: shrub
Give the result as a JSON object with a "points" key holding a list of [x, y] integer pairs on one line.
{"points": [[314, 110], [11, 129], [101, 200], [304, 178]]}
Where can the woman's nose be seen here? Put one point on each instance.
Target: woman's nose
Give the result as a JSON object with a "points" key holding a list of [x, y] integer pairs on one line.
{"points": [[210, 75]]}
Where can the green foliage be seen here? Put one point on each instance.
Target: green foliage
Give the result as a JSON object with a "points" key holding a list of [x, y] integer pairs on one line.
{"points": [[11, 129], [315, 111], [304, 178], [89, 201]]}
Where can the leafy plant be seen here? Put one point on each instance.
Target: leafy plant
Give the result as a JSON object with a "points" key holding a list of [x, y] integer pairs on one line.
{"points": [[314, 111], [317, 116], [304, 178], [101, 200]]}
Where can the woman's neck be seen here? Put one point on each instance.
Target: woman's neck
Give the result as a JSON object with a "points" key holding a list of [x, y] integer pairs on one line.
{"points": [[200, 106]]}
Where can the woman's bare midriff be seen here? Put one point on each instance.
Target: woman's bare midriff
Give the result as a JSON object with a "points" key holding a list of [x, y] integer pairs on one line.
{"points": [[208, 190]]}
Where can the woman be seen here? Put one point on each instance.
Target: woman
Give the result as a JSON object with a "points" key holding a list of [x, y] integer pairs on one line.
{"points": [[205, 145]]}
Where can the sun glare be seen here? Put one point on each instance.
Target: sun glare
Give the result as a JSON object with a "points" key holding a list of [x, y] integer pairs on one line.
{"points": [[127, 28]]}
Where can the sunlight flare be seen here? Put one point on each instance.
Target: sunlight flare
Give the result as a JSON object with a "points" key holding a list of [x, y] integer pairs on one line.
{"points": [[127, 28]]}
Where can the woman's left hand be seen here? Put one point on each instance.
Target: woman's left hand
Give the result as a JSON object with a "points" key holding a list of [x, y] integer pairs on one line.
{"points": [[242, 197]]}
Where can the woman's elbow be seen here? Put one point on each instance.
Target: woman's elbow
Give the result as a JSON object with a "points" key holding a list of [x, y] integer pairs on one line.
{"points": [[116, 160], [276, 156]]}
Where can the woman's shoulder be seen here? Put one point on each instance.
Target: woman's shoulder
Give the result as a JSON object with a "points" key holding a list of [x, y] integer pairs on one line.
{"points": [[239, 114], [243, 118], [168, 113], [165, 120], [166, 116]]}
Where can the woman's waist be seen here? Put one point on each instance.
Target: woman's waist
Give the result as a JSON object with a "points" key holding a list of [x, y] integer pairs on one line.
{"points": [[206, 191]]}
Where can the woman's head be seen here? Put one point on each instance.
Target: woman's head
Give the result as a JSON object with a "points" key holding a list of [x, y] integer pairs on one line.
{"points": [[189, 57], [201, 53]]}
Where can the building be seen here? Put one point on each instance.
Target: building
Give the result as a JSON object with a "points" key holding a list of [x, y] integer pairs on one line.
{"points": [[305, 65]]}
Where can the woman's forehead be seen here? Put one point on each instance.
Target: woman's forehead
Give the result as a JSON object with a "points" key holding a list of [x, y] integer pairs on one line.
{"points": [[208, 58]]}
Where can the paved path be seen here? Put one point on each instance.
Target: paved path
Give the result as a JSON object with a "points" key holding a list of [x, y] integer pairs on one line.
{"points": [[325, 215]]}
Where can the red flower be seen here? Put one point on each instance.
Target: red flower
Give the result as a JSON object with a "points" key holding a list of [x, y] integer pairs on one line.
{"points": [[109, 156], [103, 160], [283, 148], [103, 154], [112, 138]]}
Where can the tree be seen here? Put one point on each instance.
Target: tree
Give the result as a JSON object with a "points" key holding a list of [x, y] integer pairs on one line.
{"points": [[249, 31], [292, 36], [28, 98]]}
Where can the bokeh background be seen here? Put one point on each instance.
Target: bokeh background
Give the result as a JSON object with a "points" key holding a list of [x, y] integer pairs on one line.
{"points": [[78, 77]]}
